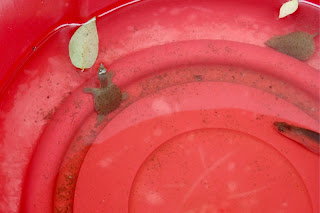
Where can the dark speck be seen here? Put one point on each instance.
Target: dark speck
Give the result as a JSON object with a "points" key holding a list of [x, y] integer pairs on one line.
{"points": [[197, 77]]}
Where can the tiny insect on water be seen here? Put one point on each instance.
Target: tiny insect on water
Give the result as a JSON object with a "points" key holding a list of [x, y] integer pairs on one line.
{"points": [[108, 96], [307, 138]]}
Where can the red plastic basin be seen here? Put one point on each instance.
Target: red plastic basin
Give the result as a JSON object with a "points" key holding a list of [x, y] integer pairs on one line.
{"points": [[196, 133]]}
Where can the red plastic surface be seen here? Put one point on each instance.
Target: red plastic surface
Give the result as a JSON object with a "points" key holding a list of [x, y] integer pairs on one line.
{"points": [[195, 134]]}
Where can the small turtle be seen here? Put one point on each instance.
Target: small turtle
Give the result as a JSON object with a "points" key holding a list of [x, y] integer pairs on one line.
{"points": [[108, 96], [299, 45]]}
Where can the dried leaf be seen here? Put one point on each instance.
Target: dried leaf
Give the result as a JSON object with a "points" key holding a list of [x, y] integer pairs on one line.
{"points": [[84, 45], [299, 45], [288, 8]]}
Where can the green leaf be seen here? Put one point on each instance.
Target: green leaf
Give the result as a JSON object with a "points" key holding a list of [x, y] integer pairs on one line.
{"points": [[84, 45], [288, 8]]}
